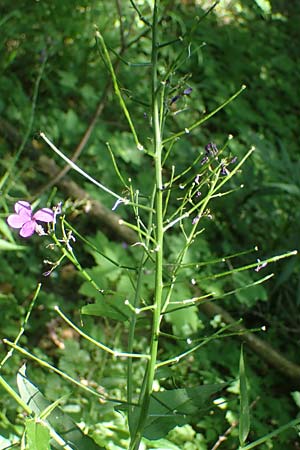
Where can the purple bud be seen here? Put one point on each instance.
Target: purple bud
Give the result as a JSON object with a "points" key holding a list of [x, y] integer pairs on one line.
{"points": [[211, 149], [46, 274], [224, 171], [174, 99], [187, 91], [204, 160]]}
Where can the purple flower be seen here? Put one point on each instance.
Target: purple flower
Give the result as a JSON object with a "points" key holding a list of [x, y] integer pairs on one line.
{"points": [[26, 221]]}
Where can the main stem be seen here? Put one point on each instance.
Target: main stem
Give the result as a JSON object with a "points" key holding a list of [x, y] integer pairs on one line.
{"points": [[157, 147]]}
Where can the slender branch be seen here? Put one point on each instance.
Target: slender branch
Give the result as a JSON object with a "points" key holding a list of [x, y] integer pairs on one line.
{"points": [[79, 170], [141, 17], [105, 54], [109, 220], [23, 325], [48, 366], [98, 344], [205, 118], [83, 142], [262, 348]]}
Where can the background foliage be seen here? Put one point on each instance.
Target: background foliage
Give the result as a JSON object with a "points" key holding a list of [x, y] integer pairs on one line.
{"points": [[246, 42]]}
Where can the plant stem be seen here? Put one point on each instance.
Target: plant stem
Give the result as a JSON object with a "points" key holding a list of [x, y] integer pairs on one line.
{"points": [[14, 395], [157, 143]]}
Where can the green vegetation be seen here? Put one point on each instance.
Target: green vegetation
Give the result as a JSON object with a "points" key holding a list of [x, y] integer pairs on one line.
{"points": [[127, 333]]}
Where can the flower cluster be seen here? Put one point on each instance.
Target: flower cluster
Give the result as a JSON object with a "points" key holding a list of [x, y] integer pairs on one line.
{"points": [[26, 221]]}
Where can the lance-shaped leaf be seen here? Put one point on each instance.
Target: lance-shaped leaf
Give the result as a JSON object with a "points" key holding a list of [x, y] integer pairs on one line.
{"points": [[59, 421], [244, 422]]}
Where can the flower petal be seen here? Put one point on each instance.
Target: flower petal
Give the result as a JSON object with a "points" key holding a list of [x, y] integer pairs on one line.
{"points": [[16, 221], [44, 215], [28, 229], [23, 208]]}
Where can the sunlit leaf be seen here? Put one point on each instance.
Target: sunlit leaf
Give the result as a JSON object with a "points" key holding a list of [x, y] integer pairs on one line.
{"points": [[264, 5], [60, 422], [37, 435]]}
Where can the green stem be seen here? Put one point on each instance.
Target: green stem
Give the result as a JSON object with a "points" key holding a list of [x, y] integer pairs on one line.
{"points": [[205, 118], [271, 435], [23, 325], [133, 319], [15, 396], [157, 141], [103, 48], [52, 368], [99, 344]]}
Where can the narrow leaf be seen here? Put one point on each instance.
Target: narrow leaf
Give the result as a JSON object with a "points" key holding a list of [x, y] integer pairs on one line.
{"points": [[59, 421], [9, 246], [244, 422]]}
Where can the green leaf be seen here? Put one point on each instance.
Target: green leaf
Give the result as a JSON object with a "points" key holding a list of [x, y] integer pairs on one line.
{"points": [[184, 322], [175, 407], [287, 188], [244, 422], [252, 294], [37, 435], [296, 397], [111, 306], [61, 423], [67, 79], [264, 5], [9, 246], [6, 231], [124, 147]]}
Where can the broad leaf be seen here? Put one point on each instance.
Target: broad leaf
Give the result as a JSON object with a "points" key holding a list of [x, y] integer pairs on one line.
{"points": [[175, 407]]}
